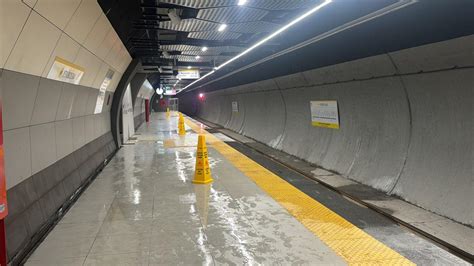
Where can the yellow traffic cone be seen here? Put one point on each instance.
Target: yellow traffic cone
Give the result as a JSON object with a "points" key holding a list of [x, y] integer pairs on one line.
{"points": [[202, 174], [181, 127]]}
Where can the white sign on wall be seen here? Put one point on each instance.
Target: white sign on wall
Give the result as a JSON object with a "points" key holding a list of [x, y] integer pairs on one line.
{"points": [[128, 127], [188, 73], [101, 97], [65, 71], [235, 107], [324, 114]]}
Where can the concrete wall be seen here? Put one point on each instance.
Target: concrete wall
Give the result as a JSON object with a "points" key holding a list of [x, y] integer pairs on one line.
{"points": [[406, 121], [47, 122]]}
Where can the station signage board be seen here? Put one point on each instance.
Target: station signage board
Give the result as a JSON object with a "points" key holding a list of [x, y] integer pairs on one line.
{"points": [[324, 114], [66, 71], [189, 73]]}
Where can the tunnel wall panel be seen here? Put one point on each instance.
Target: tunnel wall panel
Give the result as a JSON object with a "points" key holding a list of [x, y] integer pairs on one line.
{"points": [[53, 140], [405, 122], [441, 150]]}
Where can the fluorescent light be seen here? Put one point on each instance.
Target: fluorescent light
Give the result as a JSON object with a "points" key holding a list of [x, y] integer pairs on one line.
{"points": [[222, 27], [197, 57], [271, 36], [242, 2], [204, 49], [189, 67]]}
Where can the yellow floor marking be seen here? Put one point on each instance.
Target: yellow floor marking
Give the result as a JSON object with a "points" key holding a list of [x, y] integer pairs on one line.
{"points": [[348, 241]]}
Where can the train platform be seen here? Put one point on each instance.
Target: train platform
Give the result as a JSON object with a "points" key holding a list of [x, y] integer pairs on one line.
{"points": [[144, 209]]}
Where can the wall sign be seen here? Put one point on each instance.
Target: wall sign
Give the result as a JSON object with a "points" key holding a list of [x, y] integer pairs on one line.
{"points": [[188, 73], [235, 107], [65, 71], [324, 114], [101, 97]]}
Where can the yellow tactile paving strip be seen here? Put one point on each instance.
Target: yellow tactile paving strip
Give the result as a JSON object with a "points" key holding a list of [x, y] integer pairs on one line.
{"points": [[351, 243]]}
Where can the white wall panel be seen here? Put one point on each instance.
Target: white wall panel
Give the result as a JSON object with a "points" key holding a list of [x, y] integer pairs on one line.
{"points": [[107, 43], [111, 57], [17, 155], [115, 80], [80, 101], [13, 14], [18, 93], [43, 146], [97, 34], [59, 12], [101, 75], [47, 100], [78, 134], [64, 145], [66, 101], [66, 48], [34, 46], [83, 20], [90, 63]]}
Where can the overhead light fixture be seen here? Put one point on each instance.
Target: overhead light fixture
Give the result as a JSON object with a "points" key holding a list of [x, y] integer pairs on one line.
{"points": [[264, 40], [166, 54], [204, 49], [189, 67], [242, 2], [197, 57], [222, 27], [174, 17]]}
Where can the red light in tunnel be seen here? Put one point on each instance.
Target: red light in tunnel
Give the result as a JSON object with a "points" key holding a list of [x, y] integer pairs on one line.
{"points": [[201, 96]]}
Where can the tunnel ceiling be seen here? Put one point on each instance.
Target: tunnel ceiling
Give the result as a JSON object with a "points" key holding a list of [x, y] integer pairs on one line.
{"points": [[164, 46]]}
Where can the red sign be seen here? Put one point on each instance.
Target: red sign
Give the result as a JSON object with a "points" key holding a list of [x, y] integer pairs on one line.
{"points": [[3, 186]]}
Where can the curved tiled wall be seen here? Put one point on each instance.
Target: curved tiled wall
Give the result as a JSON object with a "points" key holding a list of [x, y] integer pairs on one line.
{"points": [[406, 121], [53, 138]]}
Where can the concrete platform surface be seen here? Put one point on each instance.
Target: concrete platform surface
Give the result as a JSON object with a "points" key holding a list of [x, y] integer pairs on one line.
{"points": [[143, 209]]}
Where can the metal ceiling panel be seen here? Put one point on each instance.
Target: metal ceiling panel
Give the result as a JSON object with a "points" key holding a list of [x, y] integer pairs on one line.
{"points": [[200, 3], [196, 50], [253, 27], [232, 14], [214, 35], [190, 25], [282, 4]]}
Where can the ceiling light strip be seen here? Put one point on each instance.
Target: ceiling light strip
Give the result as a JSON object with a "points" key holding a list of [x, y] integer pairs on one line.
{"points": [[271, 36], [381, 12]]}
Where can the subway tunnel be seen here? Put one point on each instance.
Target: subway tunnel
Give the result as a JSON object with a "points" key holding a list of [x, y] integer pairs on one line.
{"points": [[236, 132]]}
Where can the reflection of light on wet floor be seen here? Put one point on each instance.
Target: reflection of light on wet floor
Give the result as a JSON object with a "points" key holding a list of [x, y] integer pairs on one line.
{"points": [[201, 242], [233, 226], [180, 166], [136, 196]]}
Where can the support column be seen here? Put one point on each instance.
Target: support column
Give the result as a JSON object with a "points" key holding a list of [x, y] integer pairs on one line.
{"points": [[118, 97]]}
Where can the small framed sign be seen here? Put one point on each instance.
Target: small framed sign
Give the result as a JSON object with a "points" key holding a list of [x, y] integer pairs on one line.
{"points": [[324, 114]]}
